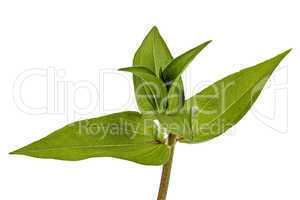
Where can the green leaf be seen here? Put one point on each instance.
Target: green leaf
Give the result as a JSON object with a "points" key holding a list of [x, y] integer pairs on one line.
{"points": [[172, 77], [223, 104], [179, 64], [125, 135], [154, 55], [155, 89], [153, 52]]}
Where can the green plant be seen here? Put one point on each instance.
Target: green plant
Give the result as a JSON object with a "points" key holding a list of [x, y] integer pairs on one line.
{"points": [[148, 137]]}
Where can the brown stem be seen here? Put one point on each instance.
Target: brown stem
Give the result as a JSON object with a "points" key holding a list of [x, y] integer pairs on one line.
{"points": [[166, 172]]}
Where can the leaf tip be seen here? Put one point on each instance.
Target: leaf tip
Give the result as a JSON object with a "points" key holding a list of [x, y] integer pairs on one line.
{"points": [[209, 41], [124, 69], [202, 46], [21, 151], [206, 43], [14, 152], [286, 52], [277, 59], [154, 28]]}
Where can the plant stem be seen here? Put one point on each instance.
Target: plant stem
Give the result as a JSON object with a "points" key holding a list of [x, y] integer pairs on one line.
{"points": [[166, 172]]}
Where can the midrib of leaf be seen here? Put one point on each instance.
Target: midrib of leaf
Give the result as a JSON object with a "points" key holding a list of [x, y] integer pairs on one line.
{"points": [[153, 53], [92, 146], [156, 67]]}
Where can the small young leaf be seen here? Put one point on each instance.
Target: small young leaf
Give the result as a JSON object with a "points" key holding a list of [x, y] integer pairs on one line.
{"points": [[125, 135], [223, 104], [154, 55], [138, 69], [179, 64], [154, 88], [153, 52], [172, 77]]}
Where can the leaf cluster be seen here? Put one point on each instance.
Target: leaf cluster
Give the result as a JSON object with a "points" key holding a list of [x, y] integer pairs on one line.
{"points": [[159, 91]]}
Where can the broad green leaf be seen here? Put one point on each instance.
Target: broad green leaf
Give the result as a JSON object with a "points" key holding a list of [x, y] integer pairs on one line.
{"points": [[154, 55], [223, 104], [155, 89], [125, 135], [179, 64]]}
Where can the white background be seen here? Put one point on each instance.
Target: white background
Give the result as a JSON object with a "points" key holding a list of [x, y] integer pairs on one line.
{"points": [[83, 42]]}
